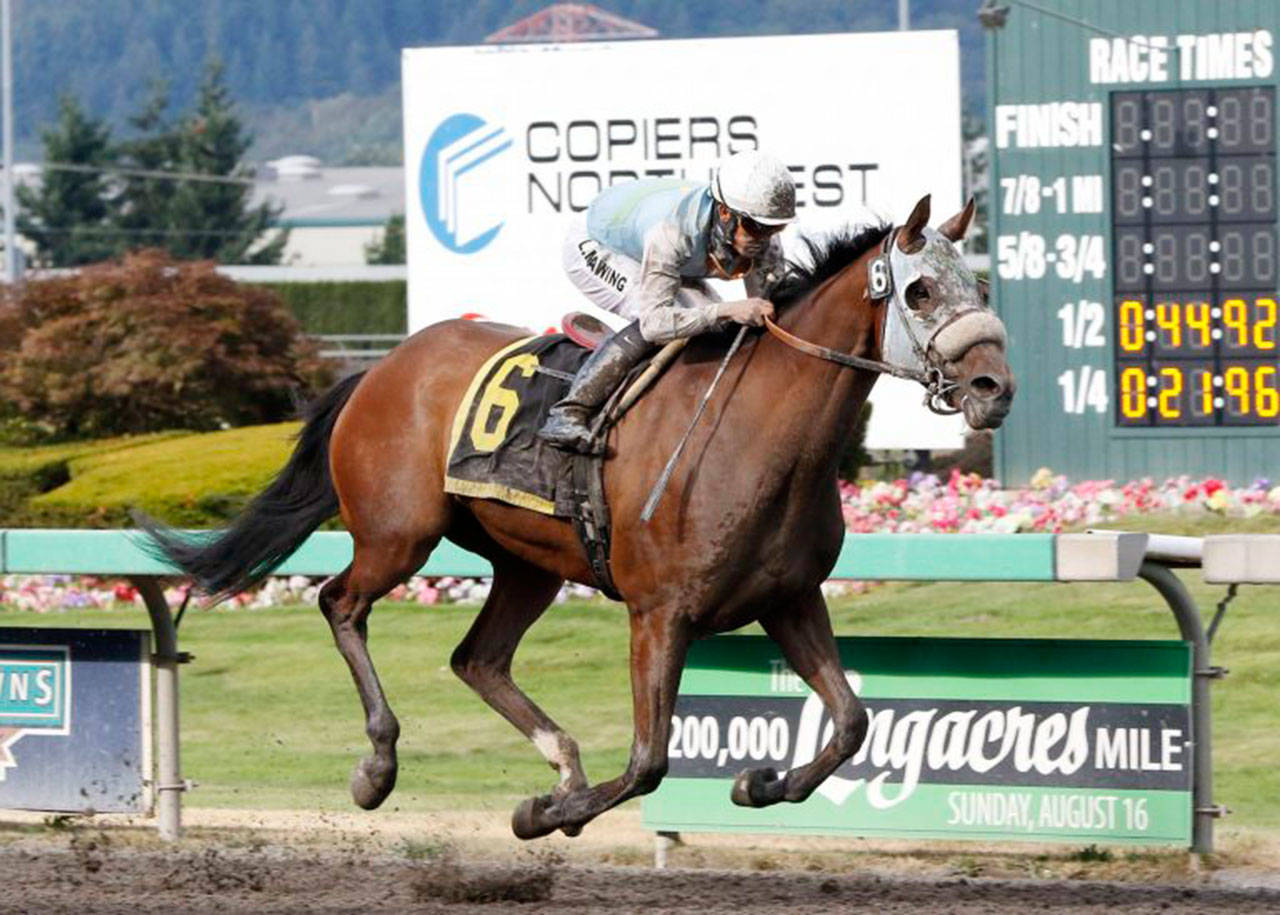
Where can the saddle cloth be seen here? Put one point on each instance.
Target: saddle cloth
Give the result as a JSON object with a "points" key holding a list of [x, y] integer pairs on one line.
{"points": [[494, 451]]}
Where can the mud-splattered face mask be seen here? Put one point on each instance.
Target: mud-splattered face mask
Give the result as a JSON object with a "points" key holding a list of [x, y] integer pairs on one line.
{"points": [[924, 341]]}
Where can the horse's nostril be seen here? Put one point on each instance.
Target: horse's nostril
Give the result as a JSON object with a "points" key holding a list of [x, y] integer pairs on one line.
{"points": [[986, 386]]}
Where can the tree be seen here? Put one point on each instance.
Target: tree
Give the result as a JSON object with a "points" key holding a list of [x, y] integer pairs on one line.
{"points": [[216, 218], [149, 343], [390, 248], [69, 217], [145, 202], [976, 152]]}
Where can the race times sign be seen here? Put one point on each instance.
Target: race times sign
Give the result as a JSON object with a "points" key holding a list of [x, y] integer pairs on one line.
{"points": [[1136, 254], [969, 738]]}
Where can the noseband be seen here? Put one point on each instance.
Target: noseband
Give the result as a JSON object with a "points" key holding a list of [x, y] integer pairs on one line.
{"points": [[928, 374]]}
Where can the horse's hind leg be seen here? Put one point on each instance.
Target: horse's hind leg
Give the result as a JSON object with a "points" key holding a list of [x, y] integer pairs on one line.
{"points": [[803, 632], [520, 594], [345, 602]]}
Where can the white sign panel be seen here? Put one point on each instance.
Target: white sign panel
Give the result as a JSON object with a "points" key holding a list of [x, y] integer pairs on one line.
{"points": [[504, 143]]}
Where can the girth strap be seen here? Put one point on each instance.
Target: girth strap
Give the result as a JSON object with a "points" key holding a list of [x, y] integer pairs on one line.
{"points": [[591, 521]]}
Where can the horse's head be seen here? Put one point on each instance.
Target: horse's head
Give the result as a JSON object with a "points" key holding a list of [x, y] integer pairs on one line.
{"points": [[939, 322]]}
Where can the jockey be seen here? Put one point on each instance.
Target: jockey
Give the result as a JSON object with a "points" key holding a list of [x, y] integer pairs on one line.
{"points": [[645, 249]]}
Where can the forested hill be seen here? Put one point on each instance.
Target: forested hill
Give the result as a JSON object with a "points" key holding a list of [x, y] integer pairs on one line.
{"points": [[283, 57]]}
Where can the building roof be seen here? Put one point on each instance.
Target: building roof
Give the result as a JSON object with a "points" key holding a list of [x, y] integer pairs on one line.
{"points": [[571, 22], [315, 195]]}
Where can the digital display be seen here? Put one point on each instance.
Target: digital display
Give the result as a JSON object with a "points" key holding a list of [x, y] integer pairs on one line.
{"points": [[1193, 192], [1171, 257]]}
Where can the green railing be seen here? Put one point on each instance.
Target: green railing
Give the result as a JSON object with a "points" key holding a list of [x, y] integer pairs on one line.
{"points": [[1098, 556]]}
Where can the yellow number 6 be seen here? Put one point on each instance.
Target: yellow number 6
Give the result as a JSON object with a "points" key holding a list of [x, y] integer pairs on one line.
{"points": [[505, 400]]}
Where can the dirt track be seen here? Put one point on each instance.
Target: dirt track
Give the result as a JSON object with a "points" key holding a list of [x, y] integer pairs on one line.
{"points": [[101, 871]]}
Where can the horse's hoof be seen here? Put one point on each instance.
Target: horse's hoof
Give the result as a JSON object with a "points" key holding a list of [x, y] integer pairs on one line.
{"points": [[371, 782], [530, 820], [752, 787]]}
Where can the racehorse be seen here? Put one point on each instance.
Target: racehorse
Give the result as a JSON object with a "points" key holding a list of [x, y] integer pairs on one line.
{"points": [[748, 530]]}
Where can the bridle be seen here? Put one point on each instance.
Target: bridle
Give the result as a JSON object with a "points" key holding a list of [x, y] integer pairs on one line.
{"points": [[926, 372]]}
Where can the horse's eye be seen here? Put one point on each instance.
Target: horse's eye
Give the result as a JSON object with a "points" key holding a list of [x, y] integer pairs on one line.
{"points": [[917, 292]]}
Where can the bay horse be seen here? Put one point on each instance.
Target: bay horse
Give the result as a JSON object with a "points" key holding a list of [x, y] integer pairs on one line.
{"points": [[749, 528]]}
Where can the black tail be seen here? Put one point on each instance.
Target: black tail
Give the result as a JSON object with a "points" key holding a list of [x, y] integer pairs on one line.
{"points": [[276, 522]]}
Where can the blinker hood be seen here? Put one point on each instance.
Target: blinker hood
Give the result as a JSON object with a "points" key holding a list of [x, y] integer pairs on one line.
{"points": [[961, 321]]}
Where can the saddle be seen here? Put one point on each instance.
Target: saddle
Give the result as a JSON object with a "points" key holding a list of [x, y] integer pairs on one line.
{"points": [[585, 330], [494, 451]]}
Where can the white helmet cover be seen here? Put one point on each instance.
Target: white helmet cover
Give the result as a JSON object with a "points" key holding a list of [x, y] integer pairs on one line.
{"points": [[756, 185]]}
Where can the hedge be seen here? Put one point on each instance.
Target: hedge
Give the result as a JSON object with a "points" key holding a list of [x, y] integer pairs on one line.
{"points": [[191, 480], [347, 307]]}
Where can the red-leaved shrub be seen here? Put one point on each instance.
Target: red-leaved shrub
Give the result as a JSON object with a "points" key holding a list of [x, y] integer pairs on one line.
{"points": [[148, 343]]}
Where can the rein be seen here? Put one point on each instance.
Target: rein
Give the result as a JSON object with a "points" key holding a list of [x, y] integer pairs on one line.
{"points": [[847, 360], [937, 387]]}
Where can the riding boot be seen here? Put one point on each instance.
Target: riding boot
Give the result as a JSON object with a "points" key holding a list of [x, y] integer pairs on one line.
{"points": [[600, 375]]}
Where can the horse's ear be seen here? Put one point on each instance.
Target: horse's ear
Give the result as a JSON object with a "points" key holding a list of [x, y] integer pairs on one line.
{"points": [[914, 225], [954, 229]]}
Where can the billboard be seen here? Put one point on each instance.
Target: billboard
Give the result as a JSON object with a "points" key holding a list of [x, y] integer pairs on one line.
{"points": [[505, 143], [75, 729], [1044, 739]]}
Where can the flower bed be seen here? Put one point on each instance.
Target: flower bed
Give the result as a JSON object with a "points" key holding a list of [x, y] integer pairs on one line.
{"points": [[969, 504], [922, 503]]}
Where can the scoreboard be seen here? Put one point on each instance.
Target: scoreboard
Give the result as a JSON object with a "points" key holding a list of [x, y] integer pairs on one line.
{"points": [[1193, 176], [1134, 214]]}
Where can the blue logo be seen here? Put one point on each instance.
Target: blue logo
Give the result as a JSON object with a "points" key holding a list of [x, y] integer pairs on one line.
{"points": [[462, 210]]}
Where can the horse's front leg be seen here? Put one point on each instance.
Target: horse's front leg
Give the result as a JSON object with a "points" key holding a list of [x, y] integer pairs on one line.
{"points": [[803, 632], [520, 594], [659, 642]]}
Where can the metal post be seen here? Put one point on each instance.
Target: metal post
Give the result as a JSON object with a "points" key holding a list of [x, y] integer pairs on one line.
{"points": [[904, 15], [169, 784], [1184, 610], [10, 243], [663, 842]]}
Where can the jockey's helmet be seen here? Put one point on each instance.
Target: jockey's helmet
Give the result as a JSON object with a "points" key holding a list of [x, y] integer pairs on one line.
{"points": [[756, 185]]}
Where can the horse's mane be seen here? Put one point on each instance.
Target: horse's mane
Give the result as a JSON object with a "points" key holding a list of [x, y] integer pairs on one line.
{"points": [[828, 256]]}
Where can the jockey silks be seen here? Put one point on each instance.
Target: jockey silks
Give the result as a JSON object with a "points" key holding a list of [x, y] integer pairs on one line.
{"points": [[642, 253]]}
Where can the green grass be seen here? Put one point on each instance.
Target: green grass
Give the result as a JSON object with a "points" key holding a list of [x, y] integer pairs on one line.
{"points": [[1193, 524], [270, 717]]}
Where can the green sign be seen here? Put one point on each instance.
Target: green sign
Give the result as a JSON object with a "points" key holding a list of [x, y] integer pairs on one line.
{"points": [[33, 687], [1135, 256], [970, 738]]}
